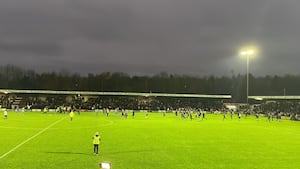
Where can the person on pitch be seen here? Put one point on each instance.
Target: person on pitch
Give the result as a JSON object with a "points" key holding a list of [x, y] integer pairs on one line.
{"points": [[5, 114], [71, 115], [96, 142]]}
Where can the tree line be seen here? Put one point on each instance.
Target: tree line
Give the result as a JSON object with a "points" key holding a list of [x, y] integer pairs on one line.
{"points": [[13, 77]]}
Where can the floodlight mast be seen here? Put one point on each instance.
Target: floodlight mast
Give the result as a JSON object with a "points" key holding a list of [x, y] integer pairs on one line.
{"points": [[248, 53]]}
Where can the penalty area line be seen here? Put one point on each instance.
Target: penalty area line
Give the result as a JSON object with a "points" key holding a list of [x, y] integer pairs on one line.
{"points": [[32, 137]]}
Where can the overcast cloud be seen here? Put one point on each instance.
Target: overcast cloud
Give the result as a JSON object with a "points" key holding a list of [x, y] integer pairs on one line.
{"points": [[198, 37]]}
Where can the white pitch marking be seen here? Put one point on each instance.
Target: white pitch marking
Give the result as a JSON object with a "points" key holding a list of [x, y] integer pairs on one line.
{"points": [[110, 122], [32, 137]]}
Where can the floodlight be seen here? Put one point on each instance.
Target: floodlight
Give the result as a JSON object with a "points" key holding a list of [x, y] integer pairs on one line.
{"points": [[105, 165], [244, 53], [259, 98], [247, 52], [250, 52]]}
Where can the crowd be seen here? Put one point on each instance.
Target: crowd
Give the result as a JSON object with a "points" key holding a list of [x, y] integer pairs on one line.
{"points": [[120, 102], [272, 109]]}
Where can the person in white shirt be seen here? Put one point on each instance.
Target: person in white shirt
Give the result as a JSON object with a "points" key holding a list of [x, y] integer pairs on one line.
{"points": [[5, 114]]}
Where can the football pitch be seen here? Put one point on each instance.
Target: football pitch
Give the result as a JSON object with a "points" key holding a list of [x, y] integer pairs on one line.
{"points": [[33, 140]]}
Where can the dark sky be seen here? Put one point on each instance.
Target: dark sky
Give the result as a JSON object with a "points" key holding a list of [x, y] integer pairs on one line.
{"points": [[197, 37]]}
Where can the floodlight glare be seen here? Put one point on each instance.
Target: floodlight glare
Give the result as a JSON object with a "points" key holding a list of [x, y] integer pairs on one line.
{"points": [[105, 166]]}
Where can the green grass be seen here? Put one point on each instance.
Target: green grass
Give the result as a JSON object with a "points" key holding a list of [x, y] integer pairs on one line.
{"points": [[154, 143]]}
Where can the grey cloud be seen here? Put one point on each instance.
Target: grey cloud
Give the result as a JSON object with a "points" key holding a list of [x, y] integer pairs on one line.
{"points": [[142, 36]]}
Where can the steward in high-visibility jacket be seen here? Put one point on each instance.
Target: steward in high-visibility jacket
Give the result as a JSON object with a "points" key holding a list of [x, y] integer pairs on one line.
{"points": [[96, 142], [71, 115]]}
